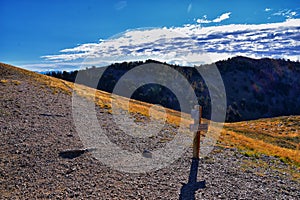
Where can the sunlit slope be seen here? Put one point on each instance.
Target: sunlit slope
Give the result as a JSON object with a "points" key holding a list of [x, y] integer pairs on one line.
{"points": [[101, 98], [271, 136], [279, 136]]}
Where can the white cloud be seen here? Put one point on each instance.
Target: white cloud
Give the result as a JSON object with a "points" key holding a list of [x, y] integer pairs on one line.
{"points": [[222, 17], [190, 44], [268, 9], [203, 21]]}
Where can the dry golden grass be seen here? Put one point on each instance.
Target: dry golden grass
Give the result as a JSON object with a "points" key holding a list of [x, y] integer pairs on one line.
{"points": [[275, 136], [238, 140], [107, 100], [42, 80], [4, 81], [10, 81]]}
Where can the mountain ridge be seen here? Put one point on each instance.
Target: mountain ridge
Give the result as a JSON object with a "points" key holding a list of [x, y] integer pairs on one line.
{"points": [[255, 88]]}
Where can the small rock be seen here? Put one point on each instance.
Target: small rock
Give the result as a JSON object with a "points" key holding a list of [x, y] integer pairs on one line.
{"points": [[147, 154]]}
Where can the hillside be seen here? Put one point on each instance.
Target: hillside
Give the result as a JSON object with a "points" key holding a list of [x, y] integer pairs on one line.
{"points": [[254, 88], [252, 160], [260, 88]]}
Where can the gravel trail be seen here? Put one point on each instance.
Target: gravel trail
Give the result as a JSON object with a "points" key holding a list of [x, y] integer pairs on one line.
{"points": [[36, 125]]}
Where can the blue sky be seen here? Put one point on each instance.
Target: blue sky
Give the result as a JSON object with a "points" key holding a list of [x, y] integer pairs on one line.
{"points": [[47, 35]]}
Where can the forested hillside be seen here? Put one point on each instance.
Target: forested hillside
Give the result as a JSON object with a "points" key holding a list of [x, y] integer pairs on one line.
{"points": [[254, 88]]}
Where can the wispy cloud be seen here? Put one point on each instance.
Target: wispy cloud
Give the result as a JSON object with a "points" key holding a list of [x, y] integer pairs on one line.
{"points": [[289, 14], [190, 44], [62, 65], [222, 17], [120, 5], [189, 8]]}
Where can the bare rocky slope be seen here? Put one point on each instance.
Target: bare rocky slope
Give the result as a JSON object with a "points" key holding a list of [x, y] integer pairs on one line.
{"points": [[36, 125]]}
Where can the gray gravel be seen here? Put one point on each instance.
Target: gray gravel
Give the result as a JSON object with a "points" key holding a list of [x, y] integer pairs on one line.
{"points": [[36, 125]]}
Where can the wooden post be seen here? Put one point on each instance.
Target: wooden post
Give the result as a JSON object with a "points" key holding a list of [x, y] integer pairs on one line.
{"points": [[188, 190], [196, 141]]}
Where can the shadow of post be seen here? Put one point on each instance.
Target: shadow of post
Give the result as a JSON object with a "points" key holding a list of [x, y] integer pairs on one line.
{"points": [[188, 190]]}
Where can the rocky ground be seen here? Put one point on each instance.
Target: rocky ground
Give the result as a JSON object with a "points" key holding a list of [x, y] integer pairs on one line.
{"points": [[36, 126]]}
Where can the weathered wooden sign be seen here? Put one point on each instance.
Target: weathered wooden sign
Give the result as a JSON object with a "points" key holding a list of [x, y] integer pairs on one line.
{"points": [[200, 127]]}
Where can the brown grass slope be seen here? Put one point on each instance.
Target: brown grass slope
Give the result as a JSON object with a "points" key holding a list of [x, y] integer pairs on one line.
{"points": [[278, 137]]}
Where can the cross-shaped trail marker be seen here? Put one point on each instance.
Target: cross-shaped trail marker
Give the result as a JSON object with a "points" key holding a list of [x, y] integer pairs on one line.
{"points": [[189, 189]]}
